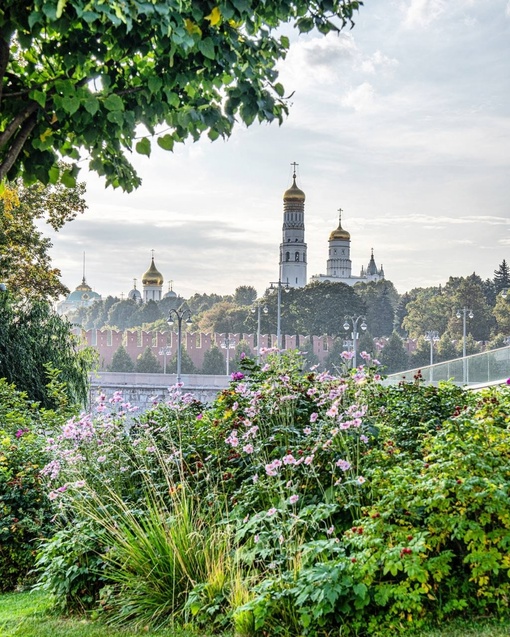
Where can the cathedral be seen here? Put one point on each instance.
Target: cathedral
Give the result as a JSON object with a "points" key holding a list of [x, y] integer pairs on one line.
{"points": [[293, 259], [292, 265]]}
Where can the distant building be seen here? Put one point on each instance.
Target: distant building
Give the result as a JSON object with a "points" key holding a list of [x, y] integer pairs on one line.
{"points": [[152, 282], [339, 264], [82, 296], [293, 246]]}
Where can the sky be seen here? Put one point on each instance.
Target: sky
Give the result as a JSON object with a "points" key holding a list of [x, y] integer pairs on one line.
{"points": [[403, 122]]}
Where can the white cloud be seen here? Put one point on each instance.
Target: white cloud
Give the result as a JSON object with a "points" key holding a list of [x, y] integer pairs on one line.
{"points": [[421, 13], [378, 60], [361, 98]]}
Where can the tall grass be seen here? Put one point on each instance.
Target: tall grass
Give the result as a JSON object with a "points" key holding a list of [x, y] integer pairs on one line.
{"points": [[156, 556]]}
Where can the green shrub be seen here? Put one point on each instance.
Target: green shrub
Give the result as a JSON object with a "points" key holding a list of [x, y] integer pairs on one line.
{"points": [[25, 510]]}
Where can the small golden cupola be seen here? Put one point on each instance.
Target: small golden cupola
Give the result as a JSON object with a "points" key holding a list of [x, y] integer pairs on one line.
{"points": [[153, 276], [339, 234], [294, 193]]}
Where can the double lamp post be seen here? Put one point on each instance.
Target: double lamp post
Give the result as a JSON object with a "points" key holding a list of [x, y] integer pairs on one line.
{"points": [[179, 315]]}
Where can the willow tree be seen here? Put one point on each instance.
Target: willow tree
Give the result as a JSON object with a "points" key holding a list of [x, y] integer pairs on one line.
{"points": [[80, 76]]}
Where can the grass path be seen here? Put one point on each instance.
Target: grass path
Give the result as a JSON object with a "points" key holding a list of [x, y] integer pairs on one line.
{"points": [[29, 615]]}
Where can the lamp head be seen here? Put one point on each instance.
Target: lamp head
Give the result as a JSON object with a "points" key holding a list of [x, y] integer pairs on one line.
{"points": [[346, 325], [470, 314], [265, 309], [189, 321], [458, 314], [363, 326]]}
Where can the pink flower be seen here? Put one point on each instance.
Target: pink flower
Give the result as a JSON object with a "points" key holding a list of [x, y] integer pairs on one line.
{"points": [[101, 458], [293, 499], [331, 530], [361, 479], [332, 411], [289, 459], [347, 356], [248, 449], [314, 416], [256, 538], [309, 459], [200, 416], [365, 356], [271, 511], [344, 465], [307, 431], [364, 439]]}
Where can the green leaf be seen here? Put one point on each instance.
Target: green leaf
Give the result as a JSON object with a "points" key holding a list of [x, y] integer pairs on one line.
{"points": [[279, 89], [38, 96], [67, 179], [213, 134], [143, 147], [166, 142], [154, 84], [206, 47], [91, 104], [34, 18], [70, 105], [172, 98], [114, 103]]}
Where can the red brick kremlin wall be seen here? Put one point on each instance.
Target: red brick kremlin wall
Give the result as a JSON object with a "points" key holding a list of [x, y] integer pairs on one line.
{"points": [[196, 344]]}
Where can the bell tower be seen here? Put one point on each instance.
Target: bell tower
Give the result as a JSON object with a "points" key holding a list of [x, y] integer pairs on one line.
{"points": [[293, 246]]}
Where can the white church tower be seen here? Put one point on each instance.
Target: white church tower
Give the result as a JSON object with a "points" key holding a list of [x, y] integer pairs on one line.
{"points": [[152, 282], [293, 246], [339, 254]]}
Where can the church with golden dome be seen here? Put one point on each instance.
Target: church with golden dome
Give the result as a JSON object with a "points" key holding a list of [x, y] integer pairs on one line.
{"points": [[293, 258], [293, 246]]}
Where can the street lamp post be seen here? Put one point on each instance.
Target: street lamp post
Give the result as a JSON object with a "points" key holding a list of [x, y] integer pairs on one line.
{"points": [[179, 315], [464, 312], [228, 344], [433, 337], [278, 285], [165, 351], [257, 308], [353, 320]]}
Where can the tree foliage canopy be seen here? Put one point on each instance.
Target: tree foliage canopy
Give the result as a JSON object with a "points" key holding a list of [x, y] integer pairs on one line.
{"points": [[84, 74], [25, 263], [34, 341]]}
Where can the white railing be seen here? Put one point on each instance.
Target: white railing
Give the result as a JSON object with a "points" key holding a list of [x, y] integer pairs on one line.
{"points": [[484, 369]]}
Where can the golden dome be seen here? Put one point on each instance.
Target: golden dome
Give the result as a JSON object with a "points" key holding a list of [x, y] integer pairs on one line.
{"points": [[294, 193], [339, 233], [153, 276], [83, 287]]}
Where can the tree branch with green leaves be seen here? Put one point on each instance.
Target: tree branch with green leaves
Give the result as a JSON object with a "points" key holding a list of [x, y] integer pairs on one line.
{"points": [[80, 79]]}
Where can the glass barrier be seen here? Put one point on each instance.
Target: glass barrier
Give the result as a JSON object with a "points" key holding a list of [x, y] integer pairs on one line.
{"points": [[484, 368]]}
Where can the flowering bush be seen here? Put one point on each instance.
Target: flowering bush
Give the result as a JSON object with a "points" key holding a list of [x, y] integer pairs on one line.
{"points": [[336, 501]]}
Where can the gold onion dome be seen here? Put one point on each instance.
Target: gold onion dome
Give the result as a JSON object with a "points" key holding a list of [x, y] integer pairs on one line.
{"points": [[83, 287], [339, 233], [153, 276], [294, 193]]}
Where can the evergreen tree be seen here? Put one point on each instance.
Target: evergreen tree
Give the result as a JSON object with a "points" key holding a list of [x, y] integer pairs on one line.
{"points": [[393, 356], [121, 361], [187, 365], [147, 363], [214, 361], [502, 277]]}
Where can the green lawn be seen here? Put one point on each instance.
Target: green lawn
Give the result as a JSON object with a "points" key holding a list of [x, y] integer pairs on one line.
{"points": [[29, 615]]}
